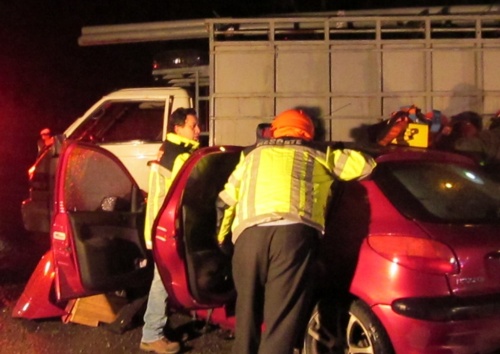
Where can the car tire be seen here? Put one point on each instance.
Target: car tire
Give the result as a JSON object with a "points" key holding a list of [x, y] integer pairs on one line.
{"points": [[364, 332], [359, 331], [320, 336]]}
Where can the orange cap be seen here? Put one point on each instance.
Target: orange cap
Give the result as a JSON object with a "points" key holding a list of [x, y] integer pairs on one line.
{"points": [[293, 123]]}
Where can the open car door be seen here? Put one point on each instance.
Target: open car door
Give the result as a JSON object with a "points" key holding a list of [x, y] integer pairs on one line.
{"points": [[97, 229], [196, 273]]}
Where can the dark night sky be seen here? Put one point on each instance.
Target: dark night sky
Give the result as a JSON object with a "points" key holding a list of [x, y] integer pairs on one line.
{"points": [[46, 79]]}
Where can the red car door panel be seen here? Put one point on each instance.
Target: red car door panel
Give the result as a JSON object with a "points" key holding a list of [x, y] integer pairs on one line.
{"points": [[97, 230], [195, 272]]}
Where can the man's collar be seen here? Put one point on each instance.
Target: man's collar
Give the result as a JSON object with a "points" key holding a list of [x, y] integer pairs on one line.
{"points": [[180, 140]]}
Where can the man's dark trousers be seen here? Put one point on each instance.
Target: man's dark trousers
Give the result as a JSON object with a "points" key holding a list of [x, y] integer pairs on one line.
{"points": [[272, 270]]}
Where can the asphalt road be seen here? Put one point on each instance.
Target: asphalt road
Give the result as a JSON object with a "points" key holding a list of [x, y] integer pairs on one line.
{"points": [[19, 254], [53, 336]]}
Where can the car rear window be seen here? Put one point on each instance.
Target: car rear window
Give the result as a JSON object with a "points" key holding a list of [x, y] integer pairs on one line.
{"points": [[438, 192], [121, 121]]}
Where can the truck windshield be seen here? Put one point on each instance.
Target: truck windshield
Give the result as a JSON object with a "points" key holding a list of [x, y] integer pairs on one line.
{"points": [[121, 121]]}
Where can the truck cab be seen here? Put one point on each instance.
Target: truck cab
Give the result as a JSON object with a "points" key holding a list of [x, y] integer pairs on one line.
{"points": [[130, 123]]}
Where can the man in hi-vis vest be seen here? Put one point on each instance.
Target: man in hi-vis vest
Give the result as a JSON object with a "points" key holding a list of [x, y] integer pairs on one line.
{"points": [[273, 206], [181, 141]]}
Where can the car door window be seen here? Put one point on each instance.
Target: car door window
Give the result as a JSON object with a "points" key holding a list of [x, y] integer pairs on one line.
{"points": [[92, 176]]}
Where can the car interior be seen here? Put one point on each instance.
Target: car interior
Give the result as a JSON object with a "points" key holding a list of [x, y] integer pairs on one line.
{"points": [[209, 269]]}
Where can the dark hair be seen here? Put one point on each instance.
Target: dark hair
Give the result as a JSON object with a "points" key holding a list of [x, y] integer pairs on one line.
{"points": [[178, 117], [468, 117], [494, 123]]}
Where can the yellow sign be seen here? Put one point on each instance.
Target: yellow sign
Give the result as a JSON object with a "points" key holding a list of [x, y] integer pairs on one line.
{"points": [[415, 135]]}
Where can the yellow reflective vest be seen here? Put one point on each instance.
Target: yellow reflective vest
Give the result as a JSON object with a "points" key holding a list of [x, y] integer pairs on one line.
{"points": [[286, 179], [174, 151]]}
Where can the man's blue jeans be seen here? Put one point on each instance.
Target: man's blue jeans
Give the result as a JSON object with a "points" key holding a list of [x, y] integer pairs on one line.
{"points": [[155, 317]]}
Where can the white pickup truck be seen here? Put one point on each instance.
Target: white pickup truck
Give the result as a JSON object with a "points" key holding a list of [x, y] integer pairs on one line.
{"points": [[131, 123]]}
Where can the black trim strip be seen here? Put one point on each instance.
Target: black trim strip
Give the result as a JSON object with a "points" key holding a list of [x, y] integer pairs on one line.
{"points": [[448, 308]]}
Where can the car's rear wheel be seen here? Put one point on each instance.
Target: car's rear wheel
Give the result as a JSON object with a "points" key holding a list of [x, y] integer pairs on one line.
{"points": [[365, 333], [360, 333]]}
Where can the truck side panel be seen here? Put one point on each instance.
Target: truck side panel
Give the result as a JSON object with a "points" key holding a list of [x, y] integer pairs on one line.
{"points": [[348, 79]]}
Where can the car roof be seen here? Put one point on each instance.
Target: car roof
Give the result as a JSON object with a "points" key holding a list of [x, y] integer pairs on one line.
{"points": [[390, 153]]}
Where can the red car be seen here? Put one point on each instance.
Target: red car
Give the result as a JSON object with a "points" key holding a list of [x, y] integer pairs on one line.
{"points": [[410, 259]]}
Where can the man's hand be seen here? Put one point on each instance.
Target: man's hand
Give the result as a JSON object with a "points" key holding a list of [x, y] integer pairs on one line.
{"points": [[223, 226], [227, 246]]}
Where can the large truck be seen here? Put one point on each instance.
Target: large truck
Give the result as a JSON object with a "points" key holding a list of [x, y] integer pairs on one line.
{"points": [[348, 69]]}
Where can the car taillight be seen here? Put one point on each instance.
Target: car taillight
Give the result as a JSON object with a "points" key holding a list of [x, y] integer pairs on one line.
{"points": [[416, 253], [31, 172]]}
